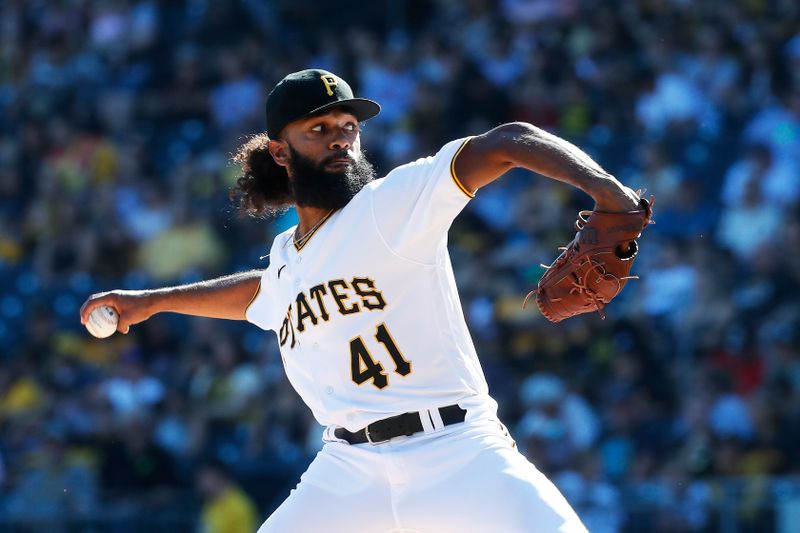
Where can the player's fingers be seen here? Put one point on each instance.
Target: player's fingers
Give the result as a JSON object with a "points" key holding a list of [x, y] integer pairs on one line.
{"points": [[97, 300], [125, 322], [94, 301], [123, 325]]}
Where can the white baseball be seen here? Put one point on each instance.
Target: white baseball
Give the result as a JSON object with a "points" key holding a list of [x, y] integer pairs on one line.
{"points": [[102, 322]]}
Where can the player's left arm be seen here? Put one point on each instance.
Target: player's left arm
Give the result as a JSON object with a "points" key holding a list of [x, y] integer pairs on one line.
{"points": [[517, 144]]}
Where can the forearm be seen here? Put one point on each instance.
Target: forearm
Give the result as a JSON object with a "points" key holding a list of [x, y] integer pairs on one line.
{"points": [[526, 146], [226, 297], [556, 158]]}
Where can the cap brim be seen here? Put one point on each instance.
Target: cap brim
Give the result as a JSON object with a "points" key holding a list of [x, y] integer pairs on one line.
{"points": [[362, 108]]}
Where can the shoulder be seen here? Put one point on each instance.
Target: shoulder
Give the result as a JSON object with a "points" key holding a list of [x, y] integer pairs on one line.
{"points": [[372, 185], [442, 160], [280, 243], [281, 238]]}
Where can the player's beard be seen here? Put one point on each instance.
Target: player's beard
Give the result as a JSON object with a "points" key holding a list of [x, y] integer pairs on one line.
{"points": [[314, 186]]}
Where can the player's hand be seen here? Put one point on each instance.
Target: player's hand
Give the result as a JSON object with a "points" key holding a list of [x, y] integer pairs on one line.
{"points": [[131, 306]]}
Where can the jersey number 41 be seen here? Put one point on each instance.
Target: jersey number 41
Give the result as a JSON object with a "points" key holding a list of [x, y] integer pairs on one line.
{"points": [[363, 366]]}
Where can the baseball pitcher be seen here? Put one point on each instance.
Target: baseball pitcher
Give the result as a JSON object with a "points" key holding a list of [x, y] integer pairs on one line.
{"points": [[362, 299]]}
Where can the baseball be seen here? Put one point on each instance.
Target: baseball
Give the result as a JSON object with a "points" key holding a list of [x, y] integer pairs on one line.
{"points": [[102, 322]]}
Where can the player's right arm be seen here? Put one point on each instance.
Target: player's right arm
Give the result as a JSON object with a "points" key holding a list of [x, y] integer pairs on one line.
{"points": [[227, 297]]}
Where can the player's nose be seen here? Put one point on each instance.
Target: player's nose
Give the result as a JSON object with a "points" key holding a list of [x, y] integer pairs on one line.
{"points": [[340, 141]]}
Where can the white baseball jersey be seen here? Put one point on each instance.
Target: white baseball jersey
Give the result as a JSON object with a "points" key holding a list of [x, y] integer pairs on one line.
{"points": [[366, 311]]}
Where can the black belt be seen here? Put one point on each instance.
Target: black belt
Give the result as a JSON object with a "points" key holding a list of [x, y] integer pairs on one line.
{"points": [[397, 426]]}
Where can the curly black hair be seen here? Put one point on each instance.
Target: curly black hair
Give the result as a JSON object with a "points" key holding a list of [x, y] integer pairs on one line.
{"points": [[263, 189]]}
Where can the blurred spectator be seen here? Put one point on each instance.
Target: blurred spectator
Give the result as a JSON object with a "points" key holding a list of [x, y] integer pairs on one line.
{"points": [[55, 484], [729, 416], [131, 460], [777, 181], [187, 244], [227, 508], [525, 12], [669, 290], [659, 175], [560, 422], [132, 392], [779, 127], [749, 226], [238, 98], [713, 67], [671, 100], [390, 81]]}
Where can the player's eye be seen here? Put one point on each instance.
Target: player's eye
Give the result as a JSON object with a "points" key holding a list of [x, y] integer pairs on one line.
{"points": [[350, 127], [317, 128]]}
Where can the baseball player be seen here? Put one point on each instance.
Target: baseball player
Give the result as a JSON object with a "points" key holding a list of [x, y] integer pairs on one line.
{"points": [[362, 298]]}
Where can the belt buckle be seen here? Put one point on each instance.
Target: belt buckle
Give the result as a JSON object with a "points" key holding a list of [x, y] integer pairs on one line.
{"points": [[369, 437]]}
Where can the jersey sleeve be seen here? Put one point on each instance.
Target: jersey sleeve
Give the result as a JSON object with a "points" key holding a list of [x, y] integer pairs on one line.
{"points": [[261, 309], [415, 204]]}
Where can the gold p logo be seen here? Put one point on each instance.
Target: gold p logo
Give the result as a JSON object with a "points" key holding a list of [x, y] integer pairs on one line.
{"points": [[329, 82]]}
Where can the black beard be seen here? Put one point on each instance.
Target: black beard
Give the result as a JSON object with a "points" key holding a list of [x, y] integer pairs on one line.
{"points": [[313, 186]]}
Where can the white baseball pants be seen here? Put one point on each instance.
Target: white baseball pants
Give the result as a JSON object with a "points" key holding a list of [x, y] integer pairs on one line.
{"points": [[466, 478]]}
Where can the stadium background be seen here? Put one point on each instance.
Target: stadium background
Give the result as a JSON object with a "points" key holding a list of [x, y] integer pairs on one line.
{"points": [[679, 412]]}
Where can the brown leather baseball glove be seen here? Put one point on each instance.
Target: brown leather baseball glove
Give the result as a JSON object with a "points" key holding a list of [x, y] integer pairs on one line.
{"points": [[594, 267]]}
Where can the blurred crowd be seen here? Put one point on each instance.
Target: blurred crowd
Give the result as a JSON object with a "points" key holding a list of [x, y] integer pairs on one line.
{"points": [[117, 122]]}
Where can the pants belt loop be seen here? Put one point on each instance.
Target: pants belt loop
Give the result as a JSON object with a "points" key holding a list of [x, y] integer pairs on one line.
{"points": [[427, 424], [330, 434], [436, 416]]}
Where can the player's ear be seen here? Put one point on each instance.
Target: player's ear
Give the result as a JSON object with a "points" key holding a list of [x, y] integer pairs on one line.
{"points": [[279, 150]]}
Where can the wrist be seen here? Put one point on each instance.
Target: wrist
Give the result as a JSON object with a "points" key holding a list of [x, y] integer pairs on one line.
{"points": [[153, 301], [614, 197]]}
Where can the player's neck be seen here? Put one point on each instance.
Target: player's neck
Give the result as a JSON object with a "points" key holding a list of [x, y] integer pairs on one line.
{"points": [[309, 217]]}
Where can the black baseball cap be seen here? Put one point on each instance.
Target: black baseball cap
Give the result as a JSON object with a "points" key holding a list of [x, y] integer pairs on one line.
{"points": [[311, 91]]}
